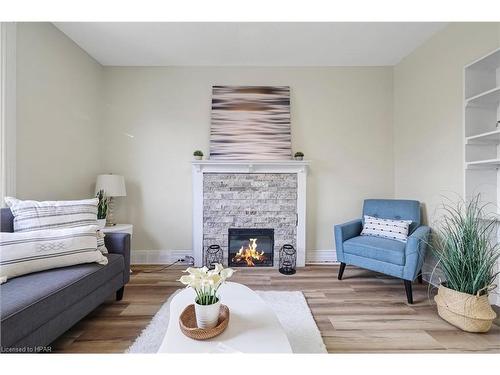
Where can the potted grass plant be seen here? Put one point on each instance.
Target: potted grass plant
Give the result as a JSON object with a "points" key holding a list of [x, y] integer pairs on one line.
{"points": [[198, 155], [102, 209], [467, 251], [299, 155], [206, 284]]}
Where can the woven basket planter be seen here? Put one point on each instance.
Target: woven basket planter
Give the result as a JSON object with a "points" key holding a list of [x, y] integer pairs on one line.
{"points": [[471, 313]]}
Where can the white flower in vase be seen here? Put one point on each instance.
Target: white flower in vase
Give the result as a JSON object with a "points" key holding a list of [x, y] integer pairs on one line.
{"points": [[206, 283]]}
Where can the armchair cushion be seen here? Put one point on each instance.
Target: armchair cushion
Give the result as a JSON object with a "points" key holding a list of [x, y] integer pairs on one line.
{"points": [[396, 209], [381, 249], [386, 228]]}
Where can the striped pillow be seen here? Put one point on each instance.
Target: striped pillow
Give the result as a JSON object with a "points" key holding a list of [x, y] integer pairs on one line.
{"points": [[26, 252], [33, 215], [387, 228]]}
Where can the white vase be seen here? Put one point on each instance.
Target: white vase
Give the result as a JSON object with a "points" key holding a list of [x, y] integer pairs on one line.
{"points": [[207, 316], [101, 223], [198, 157]]}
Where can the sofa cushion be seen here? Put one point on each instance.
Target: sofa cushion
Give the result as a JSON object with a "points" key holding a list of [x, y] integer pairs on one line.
{"points": [[382, 249], [27, 302], [32, 216], [26, 252]]}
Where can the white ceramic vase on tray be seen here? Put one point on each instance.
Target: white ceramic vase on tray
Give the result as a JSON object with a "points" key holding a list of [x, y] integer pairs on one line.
{"points": [[207, 316]]}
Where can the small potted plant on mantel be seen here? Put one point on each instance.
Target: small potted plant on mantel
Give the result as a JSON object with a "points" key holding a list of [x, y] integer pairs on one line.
{"points": [[102, 209], [467, 251], [206, 284], [198, 155], [299, 155]]}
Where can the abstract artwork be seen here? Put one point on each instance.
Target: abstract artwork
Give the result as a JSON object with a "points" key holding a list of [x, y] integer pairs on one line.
{"points": [[250, 123]]}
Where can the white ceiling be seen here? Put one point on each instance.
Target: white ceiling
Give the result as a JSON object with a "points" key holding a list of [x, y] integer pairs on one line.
{"points": [[249, 44]]}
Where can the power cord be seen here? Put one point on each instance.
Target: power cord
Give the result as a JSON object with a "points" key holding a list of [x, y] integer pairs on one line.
{"points": [[187, 259], [164, 267]]}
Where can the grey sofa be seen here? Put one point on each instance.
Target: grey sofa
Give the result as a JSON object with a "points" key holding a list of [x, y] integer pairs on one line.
{"points": [[37, 308]]}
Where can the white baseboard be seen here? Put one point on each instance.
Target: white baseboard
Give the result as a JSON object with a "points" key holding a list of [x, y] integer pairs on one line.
{"points": [[158, 256], [321, 256], [170, 256], [427, 279]]}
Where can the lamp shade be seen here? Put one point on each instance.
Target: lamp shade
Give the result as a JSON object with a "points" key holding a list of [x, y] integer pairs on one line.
{"points": [[112, 184]]}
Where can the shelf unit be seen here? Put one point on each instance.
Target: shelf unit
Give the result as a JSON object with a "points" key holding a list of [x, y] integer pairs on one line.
{"points": [[489, 163], [482, 133], [488, 98], [492, 137]]}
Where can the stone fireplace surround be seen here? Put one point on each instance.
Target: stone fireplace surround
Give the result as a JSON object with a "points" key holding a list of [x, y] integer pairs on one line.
{"points": [[249, 200], [252, 194]]}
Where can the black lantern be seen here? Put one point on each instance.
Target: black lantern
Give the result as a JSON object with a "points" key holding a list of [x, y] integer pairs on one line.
{"points": [[288, 260], [213, 256]]}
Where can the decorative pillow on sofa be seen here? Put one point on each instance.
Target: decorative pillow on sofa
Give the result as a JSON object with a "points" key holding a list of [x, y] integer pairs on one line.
{"points": [[387, 228], [26, 252], [33, 215]]}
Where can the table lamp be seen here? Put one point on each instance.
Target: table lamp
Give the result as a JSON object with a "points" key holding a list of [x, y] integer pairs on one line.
{"points": [[113, 186]]}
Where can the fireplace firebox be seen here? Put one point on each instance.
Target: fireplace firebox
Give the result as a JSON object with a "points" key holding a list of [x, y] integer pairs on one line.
{"points": [[250, 247]]}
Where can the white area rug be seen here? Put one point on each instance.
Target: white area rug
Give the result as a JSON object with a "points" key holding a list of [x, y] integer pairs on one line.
{"points": [[290, 307]]}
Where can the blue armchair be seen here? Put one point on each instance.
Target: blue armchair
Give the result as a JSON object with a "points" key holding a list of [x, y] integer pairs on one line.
{"points": [[391, 257]]}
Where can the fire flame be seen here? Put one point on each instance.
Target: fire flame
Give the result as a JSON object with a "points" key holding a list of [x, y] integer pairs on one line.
{"points": [[249, 254]]}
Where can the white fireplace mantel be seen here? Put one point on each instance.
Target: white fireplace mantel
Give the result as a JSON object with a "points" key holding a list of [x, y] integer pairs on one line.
{"points": [[199, 167], [250, 166]]}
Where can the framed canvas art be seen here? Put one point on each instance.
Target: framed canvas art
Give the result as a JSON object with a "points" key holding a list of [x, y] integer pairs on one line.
{"points": [[250, 123]]}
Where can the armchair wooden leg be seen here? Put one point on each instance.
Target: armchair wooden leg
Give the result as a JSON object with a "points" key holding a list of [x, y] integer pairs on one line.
{"points": [[341, 271], [119, 293], [409, 293], [420, 278]]}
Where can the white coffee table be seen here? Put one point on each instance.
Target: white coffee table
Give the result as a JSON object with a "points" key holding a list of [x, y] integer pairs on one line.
{"points": [[253, 326]]}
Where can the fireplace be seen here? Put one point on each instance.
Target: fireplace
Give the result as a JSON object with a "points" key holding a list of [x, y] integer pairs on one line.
{"points": [[250, 247], [249, 194]]}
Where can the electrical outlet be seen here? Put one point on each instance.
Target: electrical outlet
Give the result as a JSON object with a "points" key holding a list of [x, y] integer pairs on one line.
{"points": [[189, 260]]}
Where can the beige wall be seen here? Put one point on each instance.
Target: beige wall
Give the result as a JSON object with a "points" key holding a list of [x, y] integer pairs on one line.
{"points": [[156, 117], [428, 111], [369, 132], [153, 118], [428, 115], [58, 115]]}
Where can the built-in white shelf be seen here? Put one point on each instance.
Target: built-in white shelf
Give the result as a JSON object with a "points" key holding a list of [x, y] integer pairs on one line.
{"points": [[490, 163], [489, 62], [482, 137], [492, 137], [486, 98]]}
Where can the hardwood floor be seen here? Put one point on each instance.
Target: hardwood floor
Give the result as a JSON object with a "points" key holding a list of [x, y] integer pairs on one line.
{"points": [[365, 312]]}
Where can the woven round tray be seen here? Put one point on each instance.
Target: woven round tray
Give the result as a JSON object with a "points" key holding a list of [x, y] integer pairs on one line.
{"points": [[187, 323]]}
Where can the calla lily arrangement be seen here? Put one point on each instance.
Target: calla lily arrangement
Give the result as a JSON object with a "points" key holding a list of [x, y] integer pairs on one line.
{"points": [[206, 282]]}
